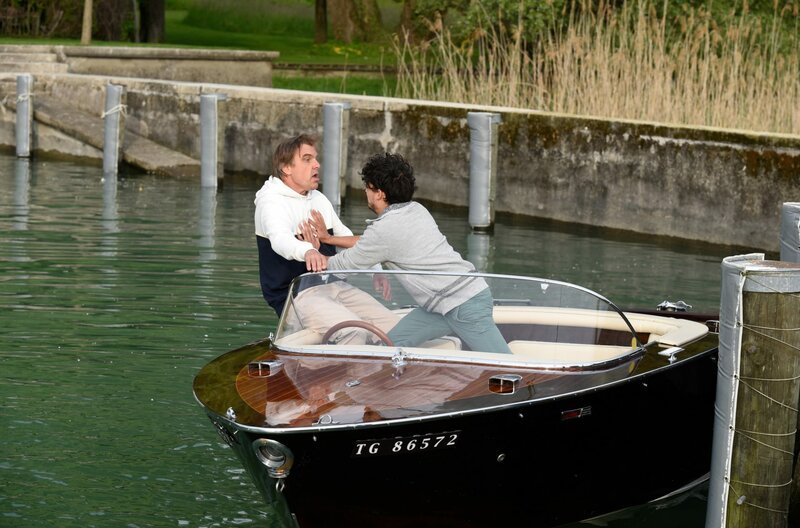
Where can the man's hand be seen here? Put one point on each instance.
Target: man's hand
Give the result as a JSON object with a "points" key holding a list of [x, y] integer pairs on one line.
{"points": [[308, 234], [318, 225], [313, 230], [382, 285], [315, 261]]}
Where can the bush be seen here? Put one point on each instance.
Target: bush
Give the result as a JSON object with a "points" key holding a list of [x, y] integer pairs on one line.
{"points": [[31, 18], [64, 19]]}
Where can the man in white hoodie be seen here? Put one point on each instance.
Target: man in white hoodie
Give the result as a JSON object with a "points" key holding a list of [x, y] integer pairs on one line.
{"points": [[285, 202]]}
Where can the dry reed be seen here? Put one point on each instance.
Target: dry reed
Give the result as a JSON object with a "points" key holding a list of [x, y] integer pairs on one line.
{"points": [[624, 63]]}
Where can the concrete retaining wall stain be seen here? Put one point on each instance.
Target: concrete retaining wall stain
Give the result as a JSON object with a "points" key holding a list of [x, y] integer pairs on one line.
{"points": [[718, 186]]}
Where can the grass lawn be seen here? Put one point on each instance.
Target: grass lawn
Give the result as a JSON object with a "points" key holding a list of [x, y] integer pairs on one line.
{"points": [[294, 49], [349, 84]]}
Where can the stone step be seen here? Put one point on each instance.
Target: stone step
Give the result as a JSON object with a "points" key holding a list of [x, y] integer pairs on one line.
{"points": [[136, 150], [26, 48], [32, 67], [27, 57]]}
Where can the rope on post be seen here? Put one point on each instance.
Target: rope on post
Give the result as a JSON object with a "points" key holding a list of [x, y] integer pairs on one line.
{"points": [[120, 108], [742, 500]]}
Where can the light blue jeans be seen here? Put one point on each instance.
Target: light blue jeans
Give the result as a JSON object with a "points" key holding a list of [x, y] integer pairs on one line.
{"points": [[472, 322]]}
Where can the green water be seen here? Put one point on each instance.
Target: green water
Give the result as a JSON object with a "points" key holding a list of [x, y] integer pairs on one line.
{"points": [[113, 295]]}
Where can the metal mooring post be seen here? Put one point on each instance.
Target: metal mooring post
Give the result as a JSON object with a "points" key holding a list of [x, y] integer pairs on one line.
{"points": [[114, 120], [211, 141], [758, 384], [790, 232], [482, 168], [24, 124], [335, 124]]}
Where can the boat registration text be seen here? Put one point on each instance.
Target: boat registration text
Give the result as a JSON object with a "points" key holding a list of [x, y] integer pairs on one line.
{"points": [[405, 445]]}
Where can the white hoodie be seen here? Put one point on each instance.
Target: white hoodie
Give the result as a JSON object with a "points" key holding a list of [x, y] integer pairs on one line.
{"points": [[279, 212]]}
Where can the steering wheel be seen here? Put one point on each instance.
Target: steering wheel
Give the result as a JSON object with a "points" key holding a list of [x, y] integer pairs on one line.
{"points": [[359, 324]]}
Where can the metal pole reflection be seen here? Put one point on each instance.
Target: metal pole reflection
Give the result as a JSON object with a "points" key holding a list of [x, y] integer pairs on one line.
{"points": [[478, 246], [110, 217], [22, 192], [206, 225]]}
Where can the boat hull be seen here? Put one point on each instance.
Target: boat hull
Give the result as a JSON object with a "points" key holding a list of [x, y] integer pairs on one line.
{"points": [[547, 461]]}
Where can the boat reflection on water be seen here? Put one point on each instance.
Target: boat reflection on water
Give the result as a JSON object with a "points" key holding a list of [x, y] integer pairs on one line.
{"points": [[438, 435]]}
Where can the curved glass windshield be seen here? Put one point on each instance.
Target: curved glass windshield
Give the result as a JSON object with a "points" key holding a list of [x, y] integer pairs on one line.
{"points": [[479, 316]]}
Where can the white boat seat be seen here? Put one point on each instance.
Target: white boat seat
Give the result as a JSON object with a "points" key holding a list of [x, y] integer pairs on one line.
{"points": [[667, 331], [545, 352]]}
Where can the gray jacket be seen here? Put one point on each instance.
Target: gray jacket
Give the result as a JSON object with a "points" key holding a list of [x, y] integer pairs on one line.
{"points": [[406, 237]]}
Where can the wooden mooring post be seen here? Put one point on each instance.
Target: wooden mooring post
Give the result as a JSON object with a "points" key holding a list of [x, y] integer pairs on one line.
{"points": [[758, 385]]}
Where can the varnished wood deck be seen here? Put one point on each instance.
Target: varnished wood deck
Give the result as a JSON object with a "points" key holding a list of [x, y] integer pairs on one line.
{"points": [[360, 389]]}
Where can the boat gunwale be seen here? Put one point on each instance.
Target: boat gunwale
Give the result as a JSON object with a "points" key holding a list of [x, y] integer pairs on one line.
{"points": [[218, 418]]}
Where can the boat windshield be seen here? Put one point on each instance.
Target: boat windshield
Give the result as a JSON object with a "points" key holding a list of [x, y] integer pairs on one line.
{"points": [[495, 317]]}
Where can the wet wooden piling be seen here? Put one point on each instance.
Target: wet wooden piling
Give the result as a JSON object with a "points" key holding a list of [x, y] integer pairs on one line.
{"points": [[757, 396]]}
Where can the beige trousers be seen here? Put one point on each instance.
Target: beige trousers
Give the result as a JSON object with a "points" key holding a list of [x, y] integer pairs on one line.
{"points": [[321, 307]]}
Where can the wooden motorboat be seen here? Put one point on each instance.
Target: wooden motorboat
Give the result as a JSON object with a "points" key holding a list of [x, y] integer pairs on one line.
{"points": [[595, 410]]}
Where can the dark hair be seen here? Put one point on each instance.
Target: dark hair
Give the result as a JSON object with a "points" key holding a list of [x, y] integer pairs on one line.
{"points": [[285, 151], [391, 174]]}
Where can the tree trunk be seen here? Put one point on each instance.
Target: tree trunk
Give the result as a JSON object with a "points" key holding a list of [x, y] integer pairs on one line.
{"points": [[320, 21], [86, 31], [137, 22], [370, 16], [342, 25], [355, 20], [407, 20], [152, 20]]}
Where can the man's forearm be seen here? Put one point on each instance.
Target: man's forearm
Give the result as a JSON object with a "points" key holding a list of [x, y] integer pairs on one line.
{"points": [[341, 241]]}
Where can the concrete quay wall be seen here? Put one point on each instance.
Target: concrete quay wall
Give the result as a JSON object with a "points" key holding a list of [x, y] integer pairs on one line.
{"points": [[718, 186], [250, 68]]}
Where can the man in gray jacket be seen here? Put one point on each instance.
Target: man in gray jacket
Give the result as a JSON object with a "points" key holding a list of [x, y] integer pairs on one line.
{"points": [[405, 236]]}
